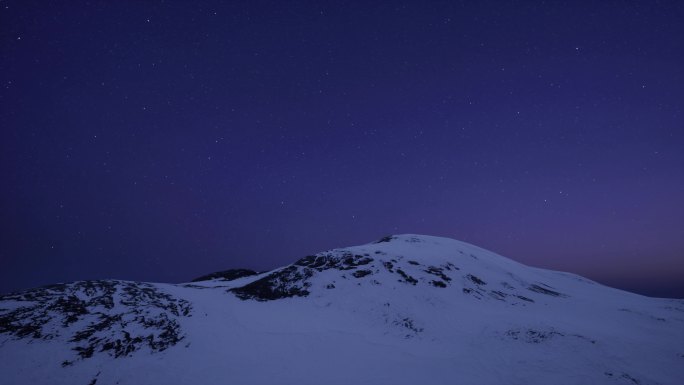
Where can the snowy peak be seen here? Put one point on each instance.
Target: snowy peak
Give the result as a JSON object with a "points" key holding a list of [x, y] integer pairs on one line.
{"points": [[405, 260]]}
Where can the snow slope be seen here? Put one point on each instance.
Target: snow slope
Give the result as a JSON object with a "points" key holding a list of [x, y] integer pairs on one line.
{"points": [[408, 309]]}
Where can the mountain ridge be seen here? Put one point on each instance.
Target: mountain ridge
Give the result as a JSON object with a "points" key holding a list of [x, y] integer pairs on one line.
{"points": [[408, 303]]}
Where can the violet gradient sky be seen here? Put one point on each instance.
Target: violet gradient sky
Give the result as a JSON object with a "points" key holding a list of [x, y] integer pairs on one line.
{"points": [[162, 140]]}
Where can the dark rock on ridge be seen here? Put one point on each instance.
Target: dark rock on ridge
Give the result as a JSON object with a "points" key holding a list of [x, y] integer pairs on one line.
{"points": [[228, 275]]}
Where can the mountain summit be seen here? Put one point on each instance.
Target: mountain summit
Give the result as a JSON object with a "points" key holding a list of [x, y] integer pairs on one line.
{"points": [[405, 309]]}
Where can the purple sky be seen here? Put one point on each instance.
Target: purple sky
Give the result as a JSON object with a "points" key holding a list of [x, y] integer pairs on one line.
{"points": [[160, 141]]}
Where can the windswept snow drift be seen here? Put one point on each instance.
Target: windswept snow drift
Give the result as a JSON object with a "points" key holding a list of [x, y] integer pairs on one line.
{"points": [[407, 309]]}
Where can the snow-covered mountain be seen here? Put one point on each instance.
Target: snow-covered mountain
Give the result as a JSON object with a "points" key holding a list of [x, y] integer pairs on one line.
{"points": [[407, 309]]}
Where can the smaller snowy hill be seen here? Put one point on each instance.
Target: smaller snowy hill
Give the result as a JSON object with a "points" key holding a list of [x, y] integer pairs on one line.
{"points": [[405, 309]]}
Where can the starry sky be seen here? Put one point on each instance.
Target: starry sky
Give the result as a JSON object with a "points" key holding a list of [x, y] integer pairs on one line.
{"points": [[162, 140]]}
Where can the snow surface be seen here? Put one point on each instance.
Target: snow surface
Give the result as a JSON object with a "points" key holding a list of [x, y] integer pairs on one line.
{"points": [[410, 309]]}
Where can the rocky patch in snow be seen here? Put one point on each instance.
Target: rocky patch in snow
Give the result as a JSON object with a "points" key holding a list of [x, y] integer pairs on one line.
{"points": [[113, 317]]}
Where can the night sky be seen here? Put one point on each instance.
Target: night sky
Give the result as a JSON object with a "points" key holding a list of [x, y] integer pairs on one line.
{"points": [[162, 140]]}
